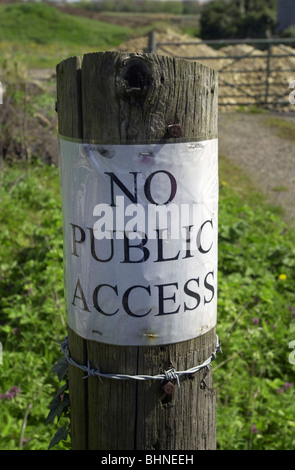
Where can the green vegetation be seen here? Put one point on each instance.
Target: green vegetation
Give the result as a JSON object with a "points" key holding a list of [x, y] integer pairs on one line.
{"points": [[41, 36], [238, 19], [256, 320], [31, 305], [288, 32], [143, 6], [42, 24], [283, 128]]}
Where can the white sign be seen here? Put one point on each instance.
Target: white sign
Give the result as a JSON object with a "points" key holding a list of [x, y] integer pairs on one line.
{"points": [[140, 240]]}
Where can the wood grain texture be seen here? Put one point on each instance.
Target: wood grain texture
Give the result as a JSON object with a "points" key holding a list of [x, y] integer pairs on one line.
{"points": [[69, 107], [119, 98]]}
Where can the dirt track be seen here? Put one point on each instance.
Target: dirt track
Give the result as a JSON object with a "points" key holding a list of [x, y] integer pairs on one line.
{"points": [[268, 159]]}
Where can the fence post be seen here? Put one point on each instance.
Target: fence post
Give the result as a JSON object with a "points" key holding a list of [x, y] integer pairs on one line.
{"points": [[152, 45], [268, 70], [134, 99]]}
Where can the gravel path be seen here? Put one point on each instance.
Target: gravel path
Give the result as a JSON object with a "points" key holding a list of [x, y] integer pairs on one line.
{"points": [[268, 159]]}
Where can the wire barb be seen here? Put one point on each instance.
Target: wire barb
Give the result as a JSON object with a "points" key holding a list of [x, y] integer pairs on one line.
{"points": [[168, 375]]}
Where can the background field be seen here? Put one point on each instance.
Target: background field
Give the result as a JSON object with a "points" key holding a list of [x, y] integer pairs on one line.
{"points": [[254, 378], [41, 35]]}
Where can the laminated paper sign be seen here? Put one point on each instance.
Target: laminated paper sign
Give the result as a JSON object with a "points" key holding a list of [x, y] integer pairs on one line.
{"points": [[140, 240]]}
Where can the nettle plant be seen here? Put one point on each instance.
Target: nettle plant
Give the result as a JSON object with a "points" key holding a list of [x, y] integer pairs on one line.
{"points": [[59, 407]]}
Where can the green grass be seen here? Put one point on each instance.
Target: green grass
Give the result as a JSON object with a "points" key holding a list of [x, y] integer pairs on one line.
{"points": [[41, 36], [283, 128], [31, 301], [242, 186], [42, 24], [38, 56], [256, 320]]}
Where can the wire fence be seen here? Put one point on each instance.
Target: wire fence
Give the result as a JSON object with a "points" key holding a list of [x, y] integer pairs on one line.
{"points": [[252, 72]]}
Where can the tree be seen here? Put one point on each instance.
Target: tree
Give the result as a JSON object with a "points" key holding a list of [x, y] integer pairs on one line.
{"points": [[238, 19], [258, 23], [220, 20]]}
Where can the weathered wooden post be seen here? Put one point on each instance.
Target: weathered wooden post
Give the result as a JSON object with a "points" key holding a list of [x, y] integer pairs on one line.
{"points": [[142, 128]]}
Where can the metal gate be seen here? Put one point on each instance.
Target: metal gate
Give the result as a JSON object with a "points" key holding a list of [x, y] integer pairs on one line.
{"points": [[252, 72]]}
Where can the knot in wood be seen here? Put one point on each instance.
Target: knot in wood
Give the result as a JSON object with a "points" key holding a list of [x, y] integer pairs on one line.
{"points": [[135, 77]]}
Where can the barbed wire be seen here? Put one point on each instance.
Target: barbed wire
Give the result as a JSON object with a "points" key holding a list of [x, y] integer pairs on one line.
{"points": [[168, 375]]}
